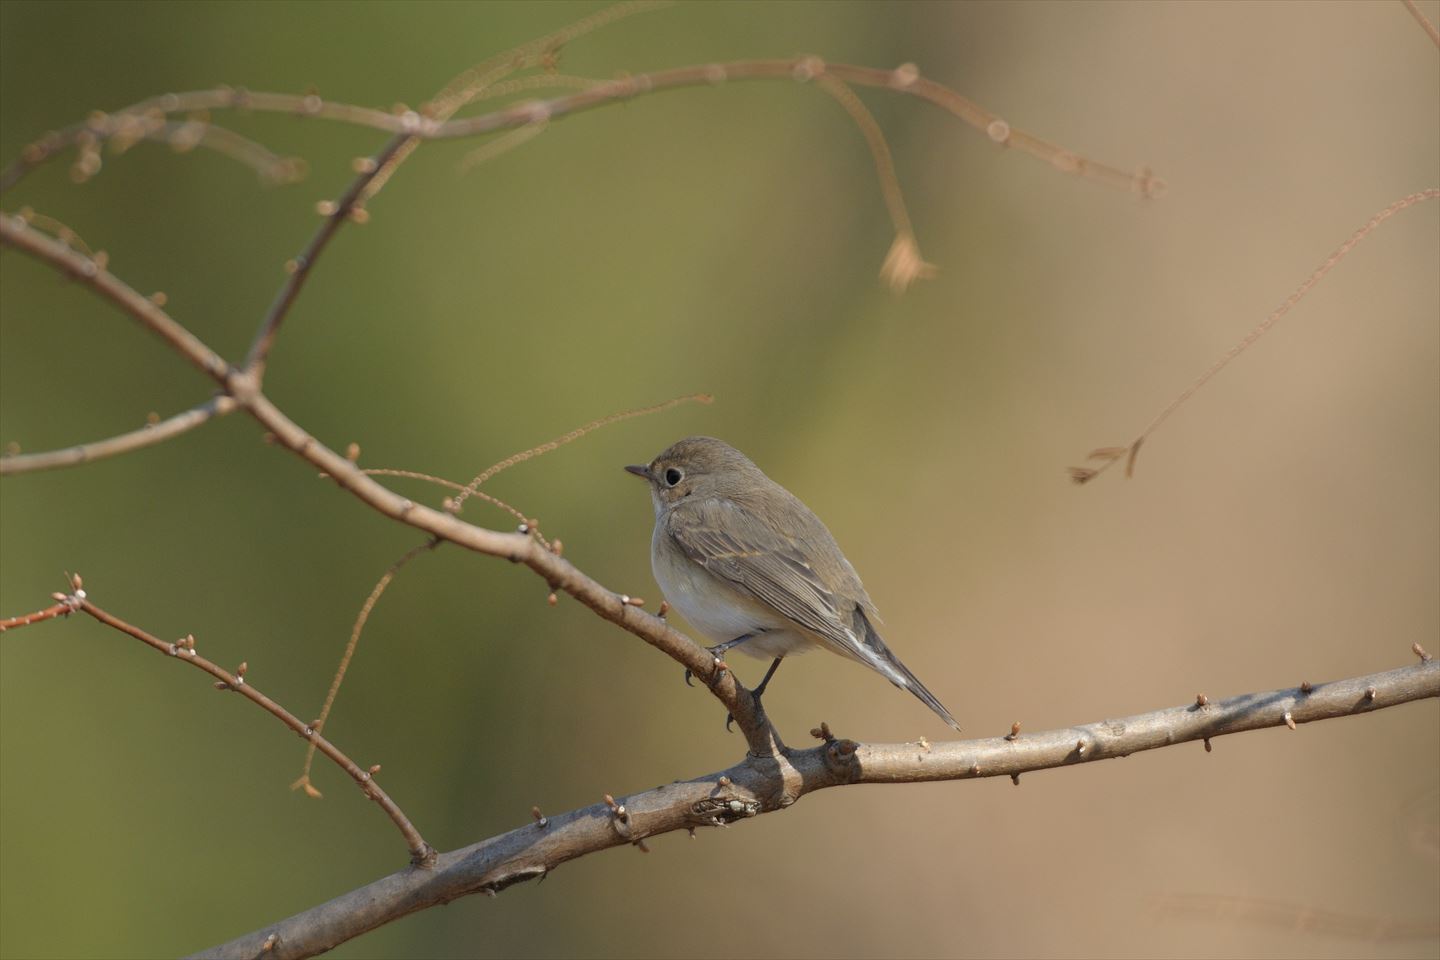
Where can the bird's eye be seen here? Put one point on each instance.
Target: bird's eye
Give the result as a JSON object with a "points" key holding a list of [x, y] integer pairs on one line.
{"points": [[673, 476]]}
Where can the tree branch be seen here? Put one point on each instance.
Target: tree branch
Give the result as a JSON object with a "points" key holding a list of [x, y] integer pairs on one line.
{"points": [[759, 785], [421, 853], [905, 79], [146, 436]]}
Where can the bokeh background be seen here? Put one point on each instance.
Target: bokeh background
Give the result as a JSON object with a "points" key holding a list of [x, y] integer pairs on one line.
{"points": [[1283, 526]]}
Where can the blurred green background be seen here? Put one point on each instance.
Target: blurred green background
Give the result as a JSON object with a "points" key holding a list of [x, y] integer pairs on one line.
{"points": [[1283, 526]]}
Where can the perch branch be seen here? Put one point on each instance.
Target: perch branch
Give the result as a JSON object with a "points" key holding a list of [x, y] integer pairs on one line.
{"points": [[759, 785], [760, 735]]}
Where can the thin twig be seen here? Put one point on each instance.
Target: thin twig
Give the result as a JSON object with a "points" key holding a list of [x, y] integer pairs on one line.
{"points": [[1424, 21], [338, 213], [1112, 455], [146, 436], [759, 786], [421, 853], [904, 80], [359, 626]]}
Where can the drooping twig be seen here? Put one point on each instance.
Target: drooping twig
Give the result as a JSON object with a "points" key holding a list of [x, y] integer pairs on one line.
{"points": [[903, 265], [762, 785], [359, 626], [1112, 455]]}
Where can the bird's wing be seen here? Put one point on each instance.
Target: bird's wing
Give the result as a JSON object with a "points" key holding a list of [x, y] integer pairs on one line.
{"points": [[730, 544]]}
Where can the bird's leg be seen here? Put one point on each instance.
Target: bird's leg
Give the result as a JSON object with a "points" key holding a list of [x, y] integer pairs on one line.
{"points": [[718, 651], [759, 689]]}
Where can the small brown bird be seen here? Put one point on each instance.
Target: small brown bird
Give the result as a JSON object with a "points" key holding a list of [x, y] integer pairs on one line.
{"points": [[751, 566]]}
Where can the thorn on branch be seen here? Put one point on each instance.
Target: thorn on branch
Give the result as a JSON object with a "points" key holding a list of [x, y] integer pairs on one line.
{"points": [[1419, 651], [1015, 779], [664, 609], [724, 781], [352, 452], [1306, 687], [1289, 720], [1208, 748], [1014, 733], [552, 599], [540, 820], [1201, 701]]}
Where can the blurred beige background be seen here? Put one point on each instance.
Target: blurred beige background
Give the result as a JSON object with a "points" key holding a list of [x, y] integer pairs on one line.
{"points": [[1283, 526]]}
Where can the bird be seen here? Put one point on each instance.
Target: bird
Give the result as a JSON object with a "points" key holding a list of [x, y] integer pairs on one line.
{"points": [[753, 568]]}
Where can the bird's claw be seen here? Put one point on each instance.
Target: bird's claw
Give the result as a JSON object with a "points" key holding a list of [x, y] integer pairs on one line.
{"points": [[688, 675]]}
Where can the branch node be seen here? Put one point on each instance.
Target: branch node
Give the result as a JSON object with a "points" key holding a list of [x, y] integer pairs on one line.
{"points": [[1014, 733], [271, 942], [1201, 701], [808, 68], [904, 76], [1306, 687], [1370, 694], [541, 821], [975, 769]]}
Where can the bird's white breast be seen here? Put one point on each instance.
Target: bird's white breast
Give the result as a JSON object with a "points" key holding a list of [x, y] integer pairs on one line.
{"points": [[717, 608]]}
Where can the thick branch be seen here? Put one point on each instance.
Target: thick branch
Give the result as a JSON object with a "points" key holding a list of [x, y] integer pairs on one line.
{"points": [[765, 784]]}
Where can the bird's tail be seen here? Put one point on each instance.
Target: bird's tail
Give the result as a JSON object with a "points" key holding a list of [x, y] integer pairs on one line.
{"points": [[887, 663]]}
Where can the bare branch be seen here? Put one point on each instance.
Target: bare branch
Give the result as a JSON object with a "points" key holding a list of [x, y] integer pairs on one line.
{"points": [[146, 436], [336, 213], [421, 853], [905, 79], [1430, 29], [1112, 455], [759, 785], [760, 735]]}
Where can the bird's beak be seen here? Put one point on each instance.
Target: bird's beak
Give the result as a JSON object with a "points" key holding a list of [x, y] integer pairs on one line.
{"points": [[639, 470]]}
